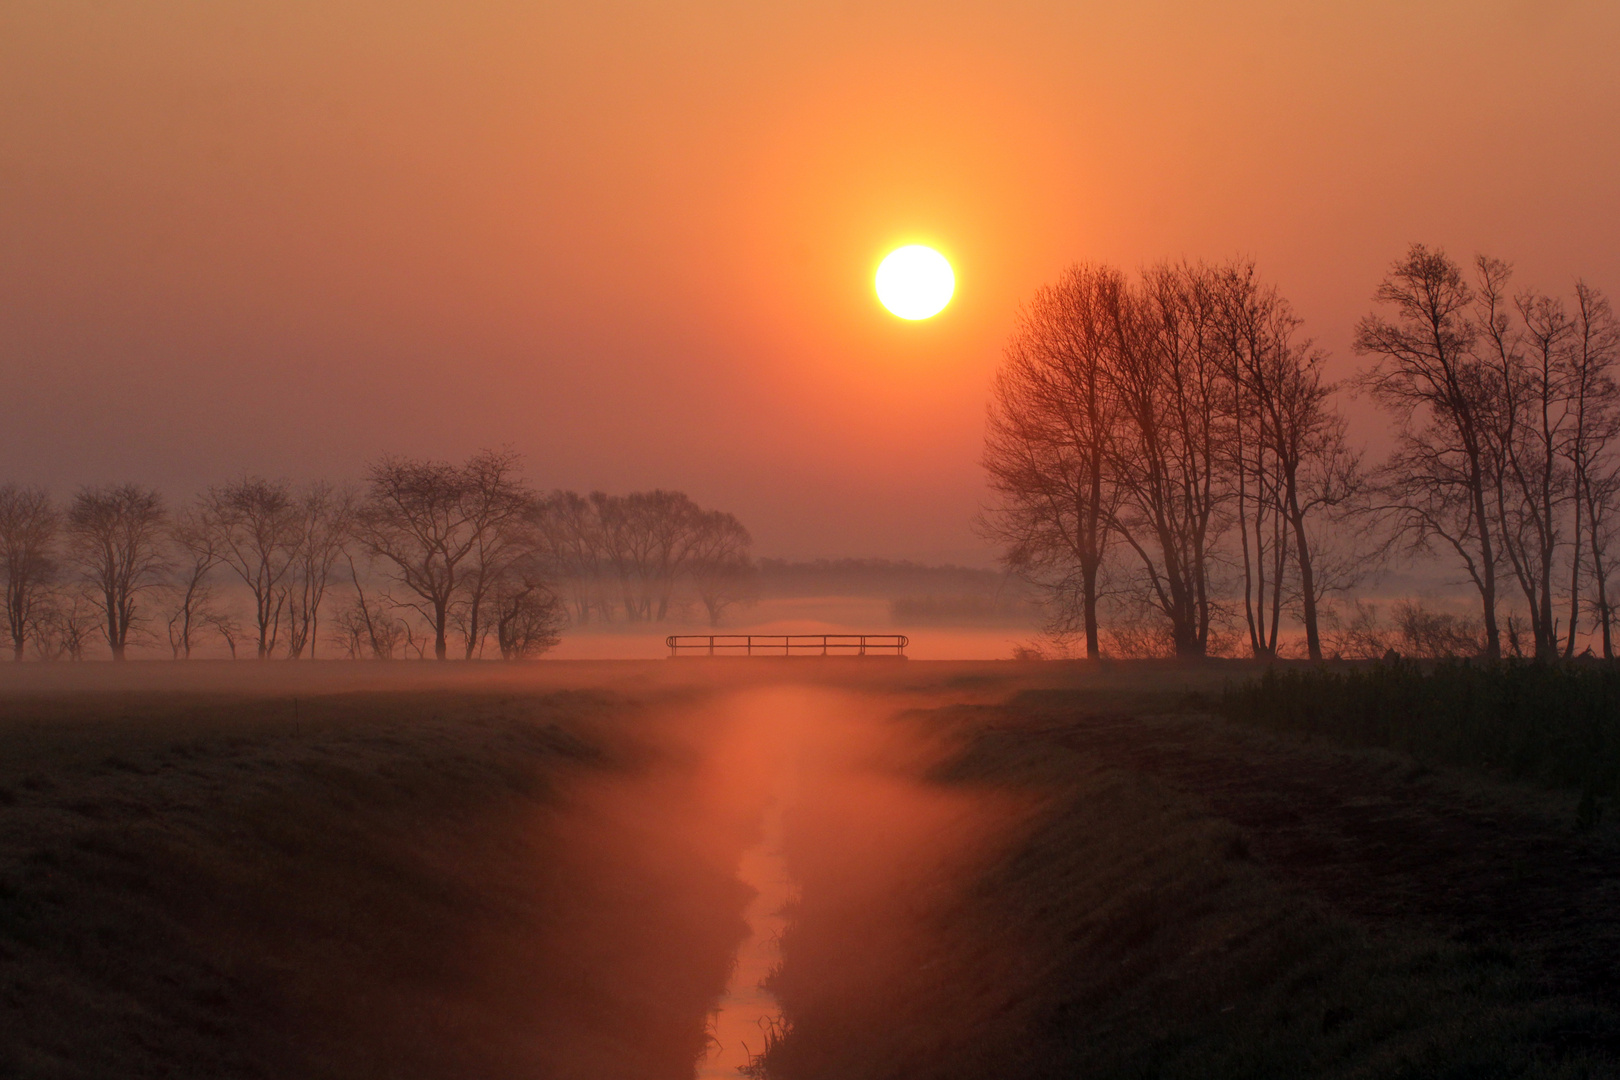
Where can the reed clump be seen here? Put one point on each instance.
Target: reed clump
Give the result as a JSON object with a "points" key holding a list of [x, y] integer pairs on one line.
{"points": [[1555, 724]]}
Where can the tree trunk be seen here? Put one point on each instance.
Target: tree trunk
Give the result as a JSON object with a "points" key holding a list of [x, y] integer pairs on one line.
{"points": [[472, 626], [1307, 581], [1493, 636], [1575, 581], [115, 640], [1088, 601], [1188, 646]]}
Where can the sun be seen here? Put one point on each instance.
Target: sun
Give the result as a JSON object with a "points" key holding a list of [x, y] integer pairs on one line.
{"points": [[915, 282]]}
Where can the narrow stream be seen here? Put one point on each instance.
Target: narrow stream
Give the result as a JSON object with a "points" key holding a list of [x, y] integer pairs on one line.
{"points": [[747, 1014]]}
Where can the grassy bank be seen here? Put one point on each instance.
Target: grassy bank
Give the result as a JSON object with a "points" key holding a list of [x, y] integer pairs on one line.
{"points": [[1117, 928], [1556, 724], [349, 885]]}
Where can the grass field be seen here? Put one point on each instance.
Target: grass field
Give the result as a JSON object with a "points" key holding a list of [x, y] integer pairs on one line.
{"points": [[1011, 870]]}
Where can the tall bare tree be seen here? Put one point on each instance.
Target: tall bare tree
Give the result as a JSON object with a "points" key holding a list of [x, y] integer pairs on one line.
{"points": [[1591, 453], [505, 541], [1253, 325], [1287, 437], [115, 537], [648, 539], [1051, 420], [1145, 429], [258, 525], [29, 524], [570, 528], [325, 523], [1438, 483], [369, 630], [720, 566], [1167, 450], [195, 544]]}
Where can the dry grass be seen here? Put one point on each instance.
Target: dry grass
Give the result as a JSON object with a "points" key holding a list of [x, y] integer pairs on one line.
{"points": [[371, 884], [1026, 870], [1178, 898]]}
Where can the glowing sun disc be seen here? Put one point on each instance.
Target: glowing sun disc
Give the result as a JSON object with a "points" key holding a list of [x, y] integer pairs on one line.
{"points": [[915, 282]]}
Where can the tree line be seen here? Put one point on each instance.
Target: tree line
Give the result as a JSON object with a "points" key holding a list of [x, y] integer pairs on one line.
{"points": [[426, 558], [1169, 459]]}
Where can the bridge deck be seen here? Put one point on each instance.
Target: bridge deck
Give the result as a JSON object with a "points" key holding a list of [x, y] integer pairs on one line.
{"points": [[890, 645]]}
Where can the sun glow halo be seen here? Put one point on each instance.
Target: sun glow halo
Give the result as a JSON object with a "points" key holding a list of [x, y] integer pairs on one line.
{"points": [[915, 282]]}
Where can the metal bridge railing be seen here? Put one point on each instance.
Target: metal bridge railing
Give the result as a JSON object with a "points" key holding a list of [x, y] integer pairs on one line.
{"points": [[787, 645]]}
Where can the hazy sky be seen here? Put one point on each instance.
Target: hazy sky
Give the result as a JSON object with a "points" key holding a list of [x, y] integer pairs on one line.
{"points": [[635, 240]]}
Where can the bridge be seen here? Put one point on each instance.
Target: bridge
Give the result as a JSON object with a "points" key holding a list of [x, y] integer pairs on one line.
{"points": [[688, 645]]}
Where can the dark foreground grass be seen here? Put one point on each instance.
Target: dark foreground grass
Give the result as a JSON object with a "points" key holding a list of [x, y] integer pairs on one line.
{"points": [[1554, 724], [1122, 930], [349, 885]]}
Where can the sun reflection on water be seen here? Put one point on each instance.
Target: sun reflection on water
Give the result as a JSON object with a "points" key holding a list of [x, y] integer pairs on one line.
{"points": [[747, 1014]]}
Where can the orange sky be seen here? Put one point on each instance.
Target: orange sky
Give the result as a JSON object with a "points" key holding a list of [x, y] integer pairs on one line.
{"points": [[635, 240]]}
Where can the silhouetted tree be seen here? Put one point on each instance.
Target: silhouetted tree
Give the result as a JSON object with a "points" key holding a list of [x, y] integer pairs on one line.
{"points": [[1052, 419], [325, 524], [66, 623], [28, 529], [431, 523], [648, 539], [258, 525], [196, 546], [1142, 430], [527, 615], [1553, 421], [369, 630], [1590, 452], [1291, 461], [115, 537], [1438, 483], [1166, 454], [721, 570], [504, 546], [569, 527]]}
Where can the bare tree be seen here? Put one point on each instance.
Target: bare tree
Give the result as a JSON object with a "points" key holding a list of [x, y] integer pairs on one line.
{"points": [[647, 539], [196, 544], [258, 525], [570, 529], [115, 537], [1438, 483], [28, 528], [1590, 452], [527, 615], [1531, 422], [1166, 453], [1051, 420], [1252, 329], [65, 623], [1289, 440], [628, 543], [721, 570], [325, 523], [430, 522], [505, 541], [368, 629], [1167, 420], [1435, 635], [229, 629]]}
